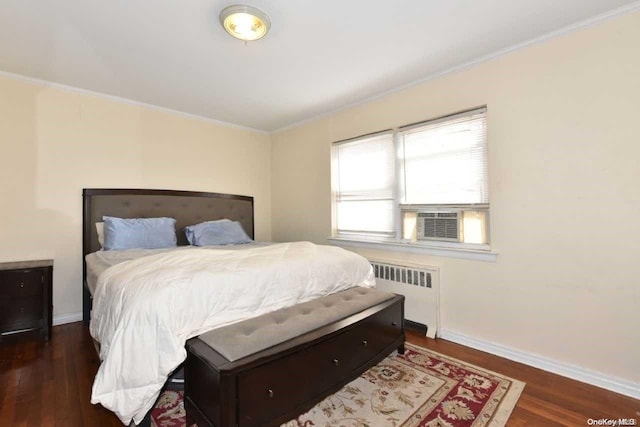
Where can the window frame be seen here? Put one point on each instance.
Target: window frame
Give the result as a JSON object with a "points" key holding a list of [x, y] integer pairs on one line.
{"points": [[397, 242]]}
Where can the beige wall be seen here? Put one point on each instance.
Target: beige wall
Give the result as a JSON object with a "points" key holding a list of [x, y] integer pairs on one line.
{"points": [[55, 142], [564, 153]]}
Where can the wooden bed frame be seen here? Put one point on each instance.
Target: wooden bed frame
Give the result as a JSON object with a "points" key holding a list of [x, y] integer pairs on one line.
{"points": [[189, 208]]}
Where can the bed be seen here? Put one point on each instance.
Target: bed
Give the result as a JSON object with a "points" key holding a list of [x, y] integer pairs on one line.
{"points": [[191, 208]]}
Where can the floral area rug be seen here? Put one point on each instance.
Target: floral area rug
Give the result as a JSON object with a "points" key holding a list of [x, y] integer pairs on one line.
{"points": [[418, 389]]}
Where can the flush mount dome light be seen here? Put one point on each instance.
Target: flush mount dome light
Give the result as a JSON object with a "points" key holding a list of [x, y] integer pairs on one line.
{"points": [[245, 22]]}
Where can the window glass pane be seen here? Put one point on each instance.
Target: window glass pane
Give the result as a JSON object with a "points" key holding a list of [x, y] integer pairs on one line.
{"points": [[409, 225], [365, 216], [365, 168], [474, 224], [446, 163]]}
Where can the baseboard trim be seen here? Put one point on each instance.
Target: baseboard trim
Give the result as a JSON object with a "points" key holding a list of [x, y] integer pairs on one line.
{"points": [[67, 318], [598, 379]]}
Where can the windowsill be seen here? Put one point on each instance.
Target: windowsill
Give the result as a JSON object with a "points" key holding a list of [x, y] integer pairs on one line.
{"points": [[462, 253]]}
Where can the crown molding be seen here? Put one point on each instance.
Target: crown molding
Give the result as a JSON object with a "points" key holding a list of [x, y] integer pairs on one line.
{"points": [[128, 101], [633, 7]]}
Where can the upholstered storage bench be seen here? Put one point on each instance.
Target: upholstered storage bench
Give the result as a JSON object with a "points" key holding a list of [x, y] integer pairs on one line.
{"points": [[269, 369]]}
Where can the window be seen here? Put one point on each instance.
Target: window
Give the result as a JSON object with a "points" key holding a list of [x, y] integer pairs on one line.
{"points": [[424, 184]]}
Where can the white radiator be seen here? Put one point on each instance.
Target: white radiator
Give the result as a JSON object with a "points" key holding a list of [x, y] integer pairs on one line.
{"points": [[419, 284]]}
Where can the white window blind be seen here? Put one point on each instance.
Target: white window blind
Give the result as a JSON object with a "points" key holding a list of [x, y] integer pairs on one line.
{"points": [[363, 185], [445, 161]]}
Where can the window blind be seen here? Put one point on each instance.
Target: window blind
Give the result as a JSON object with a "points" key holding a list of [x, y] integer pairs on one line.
{"points": [[445, 161], [364, 185]]}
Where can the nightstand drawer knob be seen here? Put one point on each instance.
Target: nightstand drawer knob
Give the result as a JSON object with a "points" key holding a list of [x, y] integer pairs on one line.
{"points": [[394, 324], [270, 393], [365, 343], [336, 362], [22, 285]]}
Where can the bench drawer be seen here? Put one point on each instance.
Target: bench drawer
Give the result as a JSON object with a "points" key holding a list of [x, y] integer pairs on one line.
{"points": [[268, 390], [374, 334]]}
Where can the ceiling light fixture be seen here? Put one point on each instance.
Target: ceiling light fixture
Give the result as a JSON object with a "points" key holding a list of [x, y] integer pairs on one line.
{"points": [[245, 22]]}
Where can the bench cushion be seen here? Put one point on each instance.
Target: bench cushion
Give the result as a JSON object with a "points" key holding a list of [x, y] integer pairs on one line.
{"points": [[250, 336]]}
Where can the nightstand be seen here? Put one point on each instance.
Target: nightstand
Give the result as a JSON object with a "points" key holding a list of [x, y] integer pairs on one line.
{"points": [[25, 297]]}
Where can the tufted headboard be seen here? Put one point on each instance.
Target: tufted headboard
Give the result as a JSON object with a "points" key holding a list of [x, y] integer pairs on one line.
{"points": [[187, 207]]}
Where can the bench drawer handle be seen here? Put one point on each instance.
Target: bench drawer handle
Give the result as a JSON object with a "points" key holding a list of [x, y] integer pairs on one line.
{"points": [[365, 343], [270, 393], [336, 362]]}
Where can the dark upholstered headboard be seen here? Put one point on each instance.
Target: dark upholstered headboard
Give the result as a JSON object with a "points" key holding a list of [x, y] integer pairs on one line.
{"points": [[187, 207]]}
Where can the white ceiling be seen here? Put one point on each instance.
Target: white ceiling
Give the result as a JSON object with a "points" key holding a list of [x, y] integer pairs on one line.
{"points": [[319, 56]]}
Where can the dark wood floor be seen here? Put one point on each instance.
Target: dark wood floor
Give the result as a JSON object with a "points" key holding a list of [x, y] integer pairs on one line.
{"points": [[49, 384]]}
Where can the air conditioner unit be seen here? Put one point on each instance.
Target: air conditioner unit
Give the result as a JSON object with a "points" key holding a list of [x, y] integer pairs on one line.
{"points": [[439, 225]]}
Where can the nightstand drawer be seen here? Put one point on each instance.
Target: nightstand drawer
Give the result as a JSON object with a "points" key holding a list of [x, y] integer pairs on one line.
{"points": [[21, 283], [20, 313]]}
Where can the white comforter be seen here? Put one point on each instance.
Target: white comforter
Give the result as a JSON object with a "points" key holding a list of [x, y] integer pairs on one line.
{"points": [[145, 309]]}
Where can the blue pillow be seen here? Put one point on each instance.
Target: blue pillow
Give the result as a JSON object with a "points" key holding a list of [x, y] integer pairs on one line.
{"points": [[139, 233], [216, 233], [189, 231]]}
